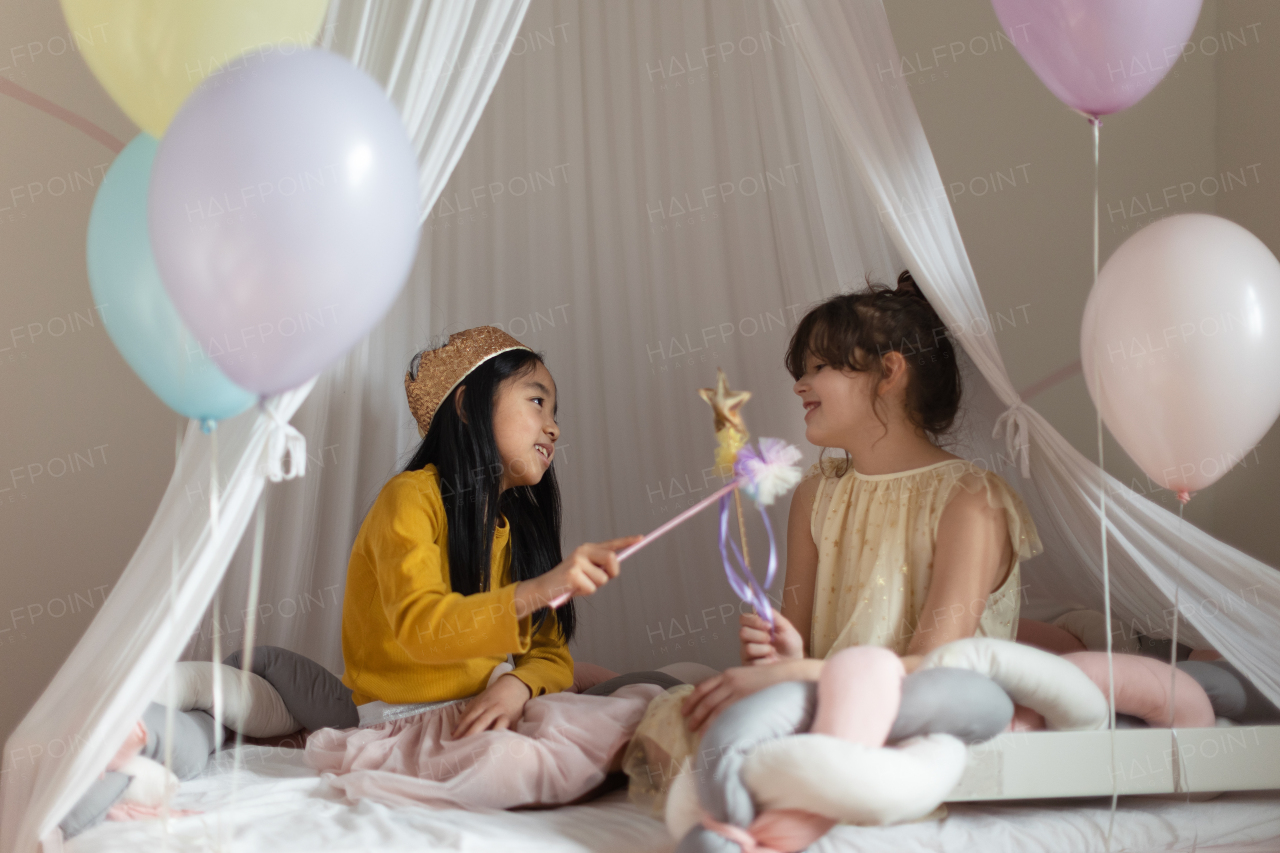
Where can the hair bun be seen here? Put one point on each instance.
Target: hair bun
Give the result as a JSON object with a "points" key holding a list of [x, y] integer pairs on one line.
{"points": [[907, 285]]}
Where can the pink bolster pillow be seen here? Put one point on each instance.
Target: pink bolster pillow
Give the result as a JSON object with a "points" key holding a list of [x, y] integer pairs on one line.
{"points": [[1142, 689], [859, 694]]}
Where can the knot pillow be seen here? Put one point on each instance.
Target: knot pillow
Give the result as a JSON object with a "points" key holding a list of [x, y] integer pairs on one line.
{"points": [[1142, 689], [958, 702], [1047, 684], [853, 783], [1232, 695], [250, 704]]}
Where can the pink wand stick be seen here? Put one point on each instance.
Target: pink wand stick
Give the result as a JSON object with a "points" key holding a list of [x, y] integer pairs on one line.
{"points": [[665, 528]]}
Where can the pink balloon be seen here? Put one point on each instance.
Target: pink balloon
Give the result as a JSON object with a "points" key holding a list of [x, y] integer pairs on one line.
{"points": [[283, 214], [1099, 56], [1180, 346]]}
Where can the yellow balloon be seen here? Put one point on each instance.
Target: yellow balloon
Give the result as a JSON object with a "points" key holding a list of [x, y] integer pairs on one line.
{"points": [[150, 54]]}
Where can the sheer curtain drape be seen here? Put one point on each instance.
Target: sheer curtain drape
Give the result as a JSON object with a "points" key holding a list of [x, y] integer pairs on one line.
{"points": [[440, 61], [642, 212], [657, 189], [1230, 599]]}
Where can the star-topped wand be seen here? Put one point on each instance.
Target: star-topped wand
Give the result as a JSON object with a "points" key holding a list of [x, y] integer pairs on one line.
{"points": [[763, 475], [731, 436]]}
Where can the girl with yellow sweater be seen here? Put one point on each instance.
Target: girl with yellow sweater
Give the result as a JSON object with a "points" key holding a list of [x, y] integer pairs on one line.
{"points": [[457, 664], [455, 564]]}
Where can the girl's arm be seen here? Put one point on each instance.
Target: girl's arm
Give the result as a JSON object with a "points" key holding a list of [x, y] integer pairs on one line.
{"points": [[784, 651], [802, 560], [547, 667], [712, 696], [431, 623], [970, 560]]}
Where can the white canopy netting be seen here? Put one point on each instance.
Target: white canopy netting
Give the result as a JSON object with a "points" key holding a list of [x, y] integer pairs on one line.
{"points": [[654, 190]]}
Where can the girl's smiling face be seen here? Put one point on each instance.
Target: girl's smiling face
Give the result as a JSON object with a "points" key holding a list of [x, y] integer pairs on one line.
{"points": [[837, 400], [524, 426]]}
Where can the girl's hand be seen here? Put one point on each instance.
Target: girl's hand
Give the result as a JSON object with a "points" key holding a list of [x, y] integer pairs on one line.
{"points": [[588, 568], [759, 646], [500, 706], [715, 694]]}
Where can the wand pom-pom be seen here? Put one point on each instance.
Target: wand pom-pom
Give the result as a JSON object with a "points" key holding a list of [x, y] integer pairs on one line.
{"points": [[770, 472]]}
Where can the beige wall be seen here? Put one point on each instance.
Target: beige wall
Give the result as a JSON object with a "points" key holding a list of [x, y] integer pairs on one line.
{"points": [[65, 390], [1247, 130], [1031, 242], [63, 387]]}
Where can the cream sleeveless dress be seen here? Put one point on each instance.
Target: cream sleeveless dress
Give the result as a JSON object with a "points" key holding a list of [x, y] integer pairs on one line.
{"points": [[876, 535]]}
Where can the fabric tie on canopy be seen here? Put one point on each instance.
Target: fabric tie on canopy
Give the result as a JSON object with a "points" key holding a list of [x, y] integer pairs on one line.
{"points": [[283, 440], [1014, 421]]}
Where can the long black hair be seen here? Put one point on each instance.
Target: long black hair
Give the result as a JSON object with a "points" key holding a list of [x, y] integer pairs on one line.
{"points": [[465, 453]]}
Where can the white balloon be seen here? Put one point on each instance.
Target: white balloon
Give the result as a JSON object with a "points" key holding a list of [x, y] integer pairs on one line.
{"points": [[1180, 347]]}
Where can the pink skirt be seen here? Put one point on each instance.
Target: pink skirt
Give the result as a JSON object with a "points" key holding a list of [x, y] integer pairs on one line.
{"points": [[558, 751]]}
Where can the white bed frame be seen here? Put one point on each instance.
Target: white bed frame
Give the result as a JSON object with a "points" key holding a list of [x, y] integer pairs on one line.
{"points": [[1047, 765]]}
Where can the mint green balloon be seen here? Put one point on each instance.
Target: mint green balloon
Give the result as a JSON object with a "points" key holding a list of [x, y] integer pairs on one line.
{"points": [[135, 308]]}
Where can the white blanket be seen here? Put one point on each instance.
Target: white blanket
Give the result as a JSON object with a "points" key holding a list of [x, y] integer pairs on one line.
{"points": [[280, 806]]}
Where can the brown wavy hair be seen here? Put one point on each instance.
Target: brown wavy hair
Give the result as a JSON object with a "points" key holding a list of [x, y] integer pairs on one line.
{"points": [[856, 330]]}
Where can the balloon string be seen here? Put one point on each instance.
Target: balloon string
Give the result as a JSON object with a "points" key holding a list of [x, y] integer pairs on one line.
{"points": [[172, 699], [213, 485], [1106, 618], [250, 630], [1173, 694], [217, 671], [1173, 665], [1096, 124], [214, 511]]}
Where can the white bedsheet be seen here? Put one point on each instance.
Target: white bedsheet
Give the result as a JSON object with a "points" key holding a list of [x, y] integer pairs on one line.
{"points": [[282, 806]]}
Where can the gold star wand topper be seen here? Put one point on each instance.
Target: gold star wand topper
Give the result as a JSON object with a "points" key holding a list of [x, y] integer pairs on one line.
{"points": [[731, 430], [731, 436]]}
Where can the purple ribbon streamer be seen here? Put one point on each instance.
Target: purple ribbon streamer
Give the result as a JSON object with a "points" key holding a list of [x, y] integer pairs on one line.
{"points": [[741, 580]]}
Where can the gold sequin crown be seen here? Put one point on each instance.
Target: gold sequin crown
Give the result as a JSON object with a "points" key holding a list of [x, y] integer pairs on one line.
{"points": [[434, 373]]}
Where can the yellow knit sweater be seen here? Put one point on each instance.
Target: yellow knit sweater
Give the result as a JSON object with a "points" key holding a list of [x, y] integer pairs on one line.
{"points": [[406, 637]]}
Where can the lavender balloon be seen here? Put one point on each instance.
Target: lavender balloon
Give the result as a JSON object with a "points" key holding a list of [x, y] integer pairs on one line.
{"points": [[283, 215], [1099, 56]]}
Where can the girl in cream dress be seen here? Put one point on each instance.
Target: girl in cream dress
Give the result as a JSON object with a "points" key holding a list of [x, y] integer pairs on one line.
{"points": [[892, 541]]}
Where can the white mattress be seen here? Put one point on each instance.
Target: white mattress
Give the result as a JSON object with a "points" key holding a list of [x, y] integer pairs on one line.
{"points": [[282, 806]]}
